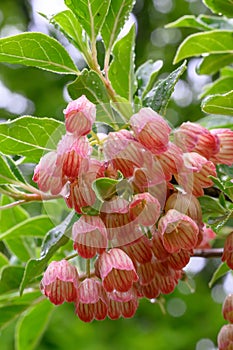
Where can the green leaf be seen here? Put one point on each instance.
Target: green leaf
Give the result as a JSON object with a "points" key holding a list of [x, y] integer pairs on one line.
{"points": [[219, 104], [9, 312], [189, 21], [30, 137], [11, 277], [11, 216], [227, 71], [90, 13], [70, 27], [121, 70], [37, 50], [146, 75], [215, 121], [215, 22], [214, 62], [118, 13], [160, 95], [104, 188], [15, 170], [224, 7], [211, 207], [90, 84], [219, 86], [56, 238], [36, 226], [32, 324], [3, 260], [6, 175], [215, 41], [221, 271]]}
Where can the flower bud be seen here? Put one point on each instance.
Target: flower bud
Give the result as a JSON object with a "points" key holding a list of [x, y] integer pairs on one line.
{"points": [[225, 153]]}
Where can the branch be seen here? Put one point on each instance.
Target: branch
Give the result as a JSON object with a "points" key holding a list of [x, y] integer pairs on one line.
{"points": [[208, 253]]}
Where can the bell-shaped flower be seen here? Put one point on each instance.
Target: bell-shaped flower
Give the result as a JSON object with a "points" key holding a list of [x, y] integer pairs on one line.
{"points": [[225, 153], [194, 175], [116, 270], [144, 209], [151, 130], [228, 251], [91, 301], [124, 152], [80, 114], [191, 137], [60, 282], [178, 231], [48, 175], [73, 156], [122, 304], [90, 236], [225, 337], [227, 308], [140, 250]]}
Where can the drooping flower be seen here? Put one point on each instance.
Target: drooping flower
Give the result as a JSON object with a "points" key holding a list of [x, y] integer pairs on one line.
{"points": [[225, 153], [228, 251], [225, 337], [124, 152], [60, 282], [140, 250], [194, 175], [90, 236], [206, 236], [116, 270], [91, 302], [122, 304], [80, 114], [178, 231], [73, 156], [48, 175], [144, 209], [187, 204], [227, 308], [191, 137], [151, 130]]}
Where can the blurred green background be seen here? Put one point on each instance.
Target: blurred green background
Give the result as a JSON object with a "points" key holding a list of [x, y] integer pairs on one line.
{"points": [[192, 320]]}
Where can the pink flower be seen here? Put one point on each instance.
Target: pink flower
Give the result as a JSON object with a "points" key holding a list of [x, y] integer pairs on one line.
{"points": [[116, 270], [80, 114], [151, 130], [158, 247], [187, 204], [90, 236], [225, 337], [81, 193], [48, 175], [91, 301], [73, 156], [144, 209], [146, 272], [228, 250], [227, 308], [60, 282], [194, 176], [125, 153], [179, 260], [178, 231], [206, 236], [140, 250], [225, 153], [122, 304], [191, 137], [171, 161]]}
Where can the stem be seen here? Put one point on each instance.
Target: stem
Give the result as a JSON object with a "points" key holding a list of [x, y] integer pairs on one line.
{"points": [[88, 268], [11, 205], [208, 253], [71, 256]]}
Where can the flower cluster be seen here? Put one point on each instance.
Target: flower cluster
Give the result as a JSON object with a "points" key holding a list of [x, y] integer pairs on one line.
{"points": [[135, 224]]}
